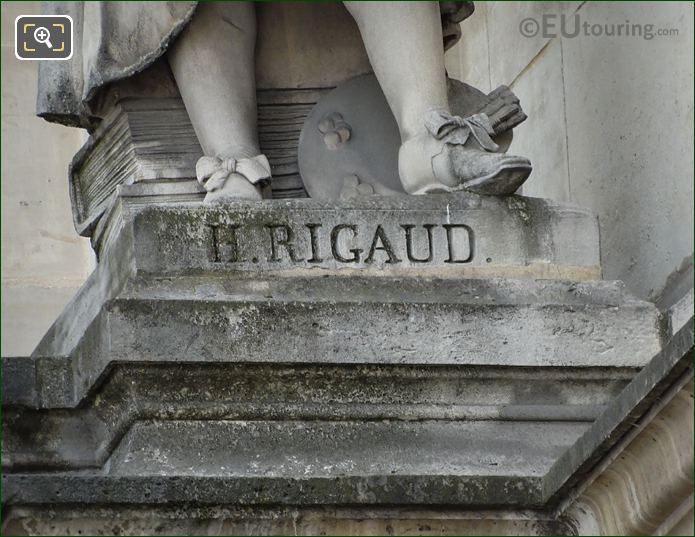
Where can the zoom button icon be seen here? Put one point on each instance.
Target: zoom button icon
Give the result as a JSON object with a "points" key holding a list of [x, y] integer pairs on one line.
{"points": [[43, 37]]}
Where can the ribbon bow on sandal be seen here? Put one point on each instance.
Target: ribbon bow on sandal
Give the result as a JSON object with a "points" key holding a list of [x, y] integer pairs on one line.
{"points": [[454, 153], [457, 130], [213, 172]]}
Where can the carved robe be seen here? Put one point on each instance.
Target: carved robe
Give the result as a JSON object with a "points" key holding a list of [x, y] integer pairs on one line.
{"points": [[116, 40]]}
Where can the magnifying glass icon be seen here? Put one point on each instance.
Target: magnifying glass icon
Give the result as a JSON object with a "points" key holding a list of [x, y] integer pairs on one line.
{"points": [[43, 36]]}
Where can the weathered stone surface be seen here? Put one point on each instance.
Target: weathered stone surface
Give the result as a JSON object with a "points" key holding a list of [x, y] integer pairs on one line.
{"points": [[167, 290], [325, 463], [356, 320], [638, 242], [652, 505], [543, 136], [165, 379], [356, 463], [462, 235], [673, 366], [228, 520], [131, 393], [367, 321]]}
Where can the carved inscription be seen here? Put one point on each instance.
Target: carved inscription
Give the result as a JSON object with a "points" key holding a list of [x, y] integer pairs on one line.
{"points": [[342, 244]]}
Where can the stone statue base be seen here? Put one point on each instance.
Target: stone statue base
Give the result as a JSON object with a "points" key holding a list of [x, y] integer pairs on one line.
{"points": [[441, 235], [303, 354]]}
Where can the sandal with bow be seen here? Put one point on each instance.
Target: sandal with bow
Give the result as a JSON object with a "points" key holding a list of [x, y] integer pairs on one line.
{"points": [[227, 180], [457, 153]]}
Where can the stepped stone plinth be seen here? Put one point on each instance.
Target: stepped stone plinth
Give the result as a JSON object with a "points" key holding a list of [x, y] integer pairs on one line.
{"points": [[434, 350]]}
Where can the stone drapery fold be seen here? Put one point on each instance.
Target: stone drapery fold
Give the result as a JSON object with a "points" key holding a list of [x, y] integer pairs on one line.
{"points": [[115, 40]]}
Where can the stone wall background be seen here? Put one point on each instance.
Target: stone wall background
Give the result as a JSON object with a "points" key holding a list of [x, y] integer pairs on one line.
{"points": [[44, 261], [610, 128], [610, 121]]}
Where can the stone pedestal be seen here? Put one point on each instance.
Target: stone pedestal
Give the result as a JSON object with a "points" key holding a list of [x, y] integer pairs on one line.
{"points": [[447, 350]]}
